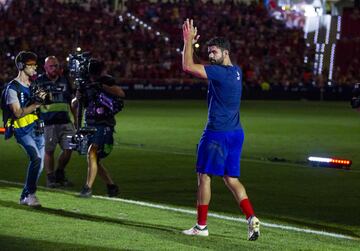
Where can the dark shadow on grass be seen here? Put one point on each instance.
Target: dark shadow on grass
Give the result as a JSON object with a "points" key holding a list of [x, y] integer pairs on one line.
{"points": [[171, 233], [288, 221], [20, 243], [87, 217], [60, 212]]}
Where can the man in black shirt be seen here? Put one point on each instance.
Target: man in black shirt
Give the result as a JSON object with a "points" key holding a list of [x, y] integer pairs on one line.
{"points": [[100, 143], [56, 117]]}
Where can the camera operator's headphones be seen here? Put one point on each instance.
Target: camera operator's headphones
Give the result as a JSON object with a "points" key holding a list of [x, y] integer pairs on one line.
{"points": [[20, 66], [24, 57]]}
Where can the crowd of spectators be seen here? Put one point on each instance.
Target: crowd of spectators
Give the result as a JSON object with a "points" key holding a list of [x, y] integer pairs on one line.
{"points": [[49, 27], [348, 49], [270, 54]]}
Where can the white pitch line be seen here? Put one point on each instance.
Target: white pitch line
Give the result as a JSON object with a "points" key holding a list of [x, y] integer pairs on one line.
{"points": [[193, 212], [229, 218]]}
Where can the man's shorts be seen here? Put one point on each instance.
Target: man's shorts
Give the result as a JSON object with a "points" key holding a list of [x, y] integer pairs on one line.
{"points": [[219, 153], [104, 138], [57, 134]]}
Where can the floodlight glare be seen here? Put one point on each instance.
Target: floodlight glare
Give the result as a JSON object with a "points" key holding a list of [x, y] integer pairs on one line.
{"points": [[330, 162]]}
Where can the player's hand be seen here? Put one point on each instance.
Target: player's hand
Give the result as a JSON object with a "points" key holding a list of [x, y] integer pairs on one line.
{"points": [[189, 31], [196, 36]]}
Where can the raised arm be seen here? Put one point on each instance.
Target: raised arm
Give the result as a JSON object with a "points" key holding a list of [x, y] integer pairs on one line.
{"points": [[190, 36]]}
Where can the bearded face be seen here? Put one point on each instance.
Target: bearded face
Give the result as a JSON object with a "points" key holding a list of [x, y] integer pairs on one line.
{"points": [[216, 55], [52, 68]]}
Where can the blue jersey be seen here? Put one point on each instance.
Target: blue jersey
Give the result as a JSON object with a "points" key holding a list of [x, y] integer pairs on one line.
{"points": [[224, 95]]}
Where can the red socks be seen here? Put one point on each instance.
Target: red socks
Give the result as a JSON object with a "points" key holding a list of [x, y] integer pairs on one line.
{"points": [[246, 207], [202, 211]]}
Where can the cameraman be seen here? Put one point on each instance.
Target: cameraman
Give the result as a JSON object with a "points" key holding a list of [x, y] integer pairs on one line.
{"points": [[101, 143], [57, 121], [24, 123]]}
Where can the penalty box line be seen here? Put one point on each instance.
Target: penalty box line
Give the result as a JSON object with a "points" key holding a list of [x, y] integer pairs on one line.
{"points": [[193, 212]]}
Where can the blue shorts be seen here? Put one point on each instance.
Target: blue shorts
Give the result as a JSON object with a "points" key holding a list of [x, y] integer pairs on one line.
{"points": [[219, 153], [104, 139]]}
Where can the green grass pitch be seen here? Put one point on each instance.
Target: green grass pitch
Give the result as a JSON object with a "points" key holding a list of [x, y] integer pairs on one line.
{"points": [[153, 161]]}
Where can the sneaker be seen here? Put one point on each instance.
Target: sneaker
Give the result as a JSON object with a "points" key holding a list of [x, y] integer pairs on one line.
{"points": [[31, 200], [253, 228], [112, 190], [196, 230], [51, 181], [52, 184], [61, 178], [65, 183], [86, 192]]}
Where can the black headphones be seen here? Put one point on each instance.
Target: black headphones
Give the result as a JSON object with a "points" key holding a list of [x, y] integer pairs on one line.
{"points": [[22, 58], [20, 66], [19, 62]]}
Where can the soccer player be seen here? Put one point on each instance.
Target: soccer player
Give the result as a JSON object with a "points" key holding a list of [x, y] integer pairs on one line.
{"points": [[221, 143]]}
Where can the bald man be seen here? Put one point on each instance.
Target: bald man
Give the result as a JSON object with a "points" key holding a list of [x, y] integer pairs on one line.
{"points": [[57, 121]]}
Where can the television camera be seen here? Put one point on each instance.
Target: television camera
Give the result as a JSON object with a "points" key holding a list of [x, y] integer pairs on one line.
{"points": [[53, 93], [79, 69], [78, 66], [99, 105], [36, 95]]}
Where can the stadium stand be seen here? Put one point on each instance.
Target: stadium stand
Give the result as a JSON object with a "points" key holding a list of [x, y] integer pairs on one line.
{"points": [[271, 55], [348, 49]]}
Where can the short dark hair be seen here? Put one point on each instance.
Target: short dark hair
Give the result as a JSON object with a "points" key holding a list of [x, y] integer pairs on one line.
{"points": [[24, 57], [221, 42], [96, 66]]}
